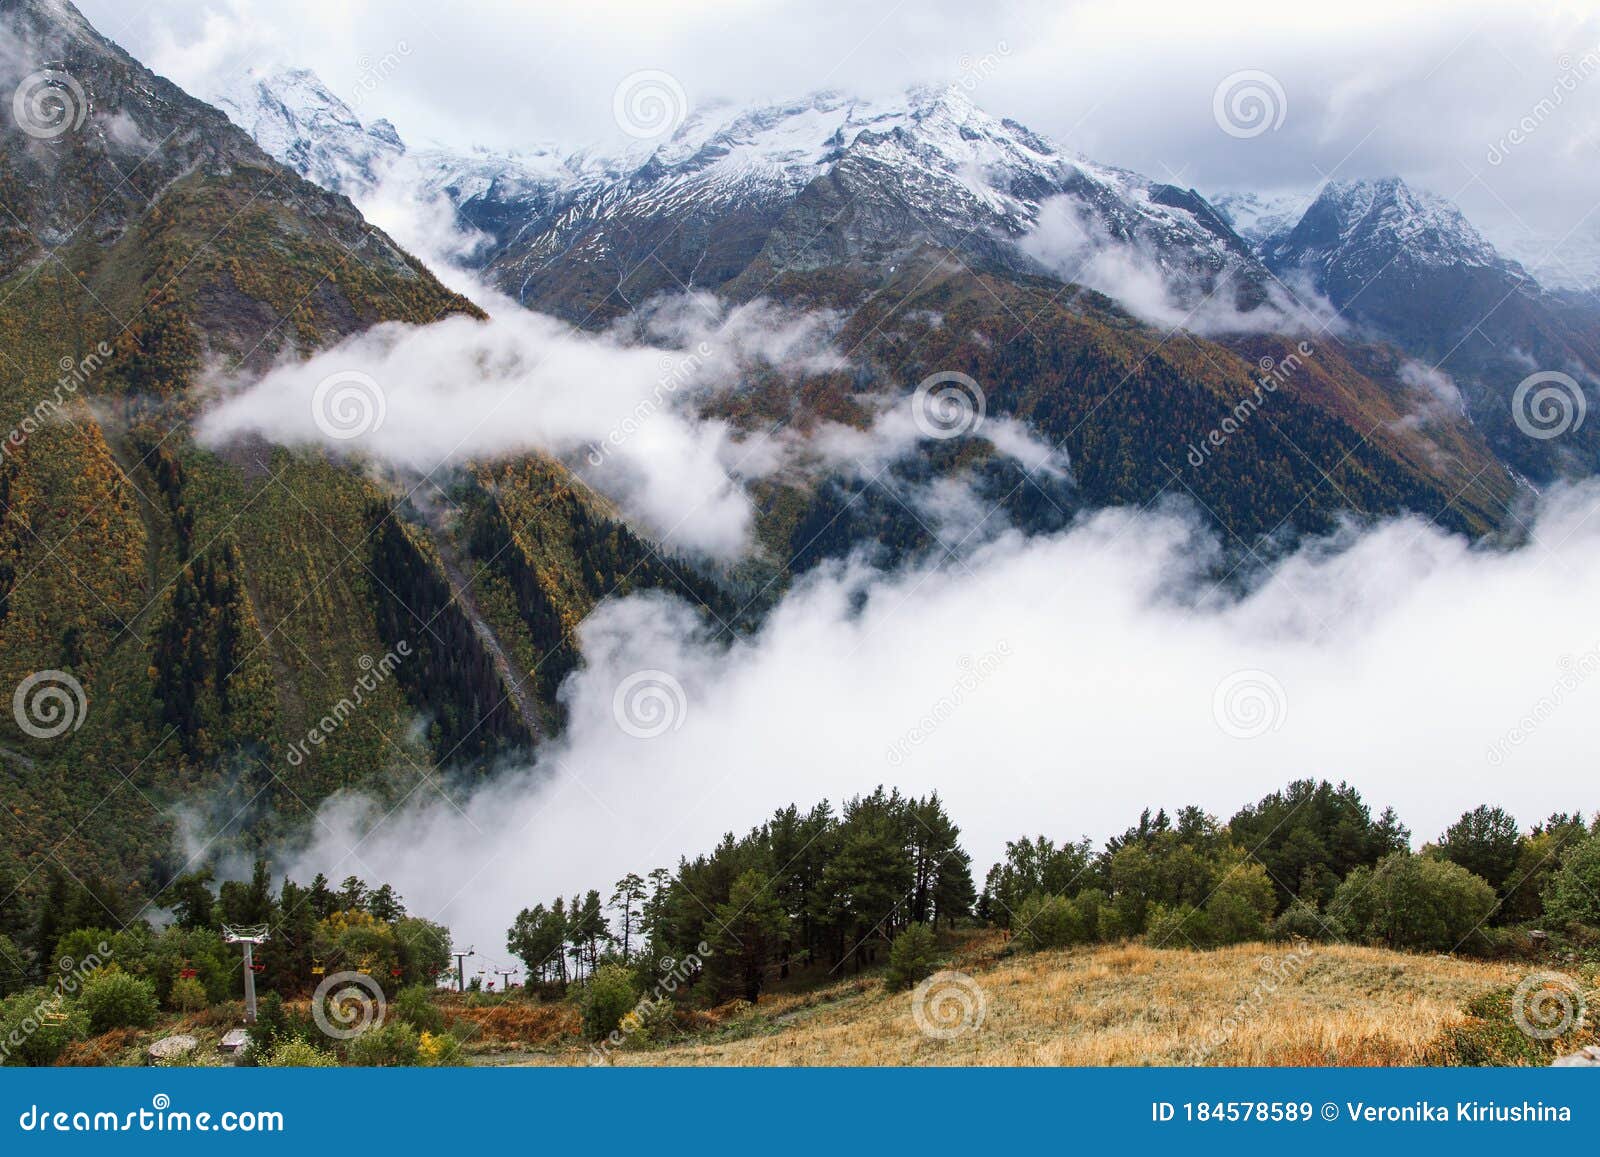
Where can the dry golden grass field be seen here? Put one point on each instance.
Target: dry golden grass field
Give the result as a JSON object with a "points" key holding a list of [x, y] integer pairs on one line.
{"points": [[1257, 1004]]}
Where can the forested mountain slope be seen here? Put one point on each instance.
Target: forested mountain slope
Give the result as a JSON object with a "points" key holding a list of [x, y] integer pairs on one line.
{"points": [[197, 614]]}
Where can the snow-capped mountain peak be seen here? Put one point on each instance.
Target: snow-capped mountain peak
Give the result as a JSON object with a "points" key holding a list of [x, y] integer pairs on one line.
{"points": [[299, 121], [1369, 223], [926, 167]]}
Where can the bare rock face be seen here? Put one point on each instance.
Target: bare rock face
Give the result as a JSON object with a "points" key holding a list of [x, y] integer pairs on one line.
{"points": [[170, 1048], [1583, 1058]]}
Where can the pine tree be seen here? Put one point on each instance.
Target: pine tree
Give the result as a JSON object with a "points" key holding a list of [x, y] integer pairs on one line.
{"points": [[628, 899], [321, 898], [590, 929], [384, 904], [748, 933], [352, 895], [192, 901]]}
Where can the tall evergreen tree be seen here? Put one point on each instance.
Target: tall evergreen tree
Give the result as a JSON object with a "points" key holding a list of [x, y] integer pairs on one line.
{"points": [[627, 900], [747, 938]]}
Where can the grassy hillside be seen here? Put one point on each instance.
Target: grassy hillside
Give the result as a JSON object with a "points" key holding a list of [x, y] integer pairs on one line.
{"points": [[1114, 1005], [1251, 1004]]}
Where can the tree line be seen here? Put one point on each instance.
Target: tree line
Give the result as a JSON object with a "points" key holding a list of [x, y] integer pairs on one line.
{"points": [[806, 890], [810, 893]]}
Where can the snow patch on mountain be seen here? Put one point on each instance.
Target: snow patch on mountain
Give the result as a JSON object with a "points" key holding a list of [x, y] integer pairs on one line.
{"points": [[1257, 216], [1569, 263], [300, 122], [925, 168], [1367, 224]]}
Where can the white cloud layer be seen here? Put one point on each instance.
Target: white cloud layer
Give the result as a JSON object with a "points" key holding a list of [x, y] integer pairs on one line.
{"points": [[426, 398], [1069, 241], [1431, 674]]}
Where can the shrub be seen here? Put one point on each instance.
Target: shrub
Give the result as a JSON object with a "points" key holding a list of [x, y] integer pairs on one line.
{"points": [[1114, 922], [299, 1054], [11, 976], [1236, 911], [911, 957], [1240, 906], [1573, 895], [26, 1038], [649, 1022], [187, 995], [1092, 903], [607, 998], [113, 999], [1050, 922], [1301, 921], [415, 1005], [1414, 902], [392, 1044], [81, 945], [434, 1049], [1177, 926], [1491, 1036]]}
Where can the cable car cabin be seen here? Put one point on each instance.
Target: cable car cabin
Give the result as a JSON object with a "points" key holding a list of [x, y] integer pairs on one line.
{"points": [[397, 972], [54, 1019], [316, 967], [257, 966]]}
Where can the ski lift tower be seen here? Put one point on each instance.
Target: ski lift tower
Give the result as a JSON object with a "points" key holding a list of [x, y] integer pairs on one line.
{"points": [[249, 936], [461, 971]]}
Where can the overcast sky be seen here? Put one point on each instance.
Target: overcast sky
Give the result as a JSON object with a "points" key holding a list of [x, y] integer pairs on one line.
{"points": [[1428, 89]]}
